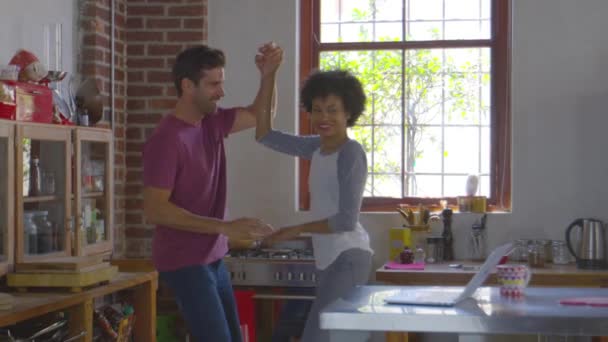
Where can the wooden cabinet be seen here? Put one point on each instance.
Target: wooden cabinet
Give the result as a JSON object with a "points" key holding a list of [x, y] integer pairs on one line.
{"points": [[93, 191], [43, 176], [56, 192], [7, 191]]}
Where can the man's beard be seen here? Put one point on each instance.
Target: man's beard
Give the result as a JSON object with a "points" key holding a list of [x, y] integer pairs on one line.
{"points": [[207, 107]]}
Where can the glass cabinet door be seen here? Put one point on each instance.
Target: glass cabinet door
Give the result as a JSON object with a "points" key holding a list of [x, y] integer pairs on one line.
{"points": [[43, 188], [93, 191], [7, 195]]}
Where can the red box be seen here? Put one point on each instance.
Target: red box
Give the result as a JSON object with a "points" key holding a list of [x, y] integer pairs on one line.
{"points": [[246, 309], [26, 102]]}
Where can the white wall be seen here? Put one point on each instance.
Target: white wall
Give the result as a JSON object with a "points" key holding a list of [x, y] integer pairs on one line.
{"points": [[23, 24], [559, 90]]}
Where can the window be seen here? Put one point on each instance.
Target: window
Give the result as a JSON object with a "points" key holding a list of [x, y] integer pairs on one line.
{"points": [[436, 77]]}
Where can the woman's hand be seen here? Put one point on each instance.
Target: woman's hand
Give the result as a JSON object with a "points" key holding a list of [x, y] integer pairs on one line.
{"points": [[283, 234], [269, 58]]}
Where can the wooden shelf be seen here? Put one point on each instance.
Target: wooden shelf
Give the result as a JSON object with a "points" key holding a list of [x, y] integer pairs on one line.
{"points": [[80, 305], [93, 195], [37, 199]]}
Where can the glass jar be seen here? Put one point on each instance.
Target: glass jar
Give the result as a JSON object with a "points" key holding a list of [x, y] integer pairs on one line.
{"points": [[434, 253], [419, 255], [45, 232], [546, 244], [30, 233], [561, 255], [48, 183], [477, 243], [35, 178], [520, 250], [536, 255]]}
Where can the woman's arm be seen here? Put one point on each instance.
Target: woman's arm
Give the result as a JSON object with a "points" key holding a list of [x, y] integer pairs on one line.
{"points": [[352, 175]]}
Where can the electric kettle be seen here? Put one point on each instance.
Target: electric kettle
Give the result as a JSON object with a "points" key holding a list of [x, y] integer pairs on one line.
{"points": [[590, 248]]}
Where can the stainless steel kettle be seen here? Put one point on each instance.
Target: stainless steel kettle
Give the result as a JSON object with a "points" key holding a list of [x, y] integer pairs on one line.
{"points": [[590, 248]]}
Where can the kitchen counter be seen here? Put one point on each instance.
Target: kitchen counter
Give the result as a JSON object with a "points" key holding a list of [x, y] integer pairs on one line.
{"points": [[539, 312], [442, 274]]}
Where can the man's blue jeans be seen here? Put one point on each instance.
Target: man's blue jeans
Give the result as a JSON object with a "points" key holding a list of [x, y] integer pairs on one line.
{"points": [[205, 298]]}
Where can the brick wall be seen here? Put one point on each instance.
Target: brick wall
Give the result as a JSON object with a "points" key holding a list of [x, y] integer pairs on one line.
{"points": [[149, 34], [156, 31], [95, 57]]}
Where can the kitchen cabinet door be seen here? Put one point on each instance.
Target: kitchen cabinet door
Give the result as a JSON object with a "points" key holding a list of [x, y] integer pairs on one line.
{"points": [[7, 193], [93, 191], [43, 175]]}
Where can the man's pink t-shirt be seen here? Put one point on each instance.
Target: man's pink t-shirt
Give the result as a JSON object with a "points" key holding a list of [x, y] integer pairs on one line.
{"points": [[189, 160]]}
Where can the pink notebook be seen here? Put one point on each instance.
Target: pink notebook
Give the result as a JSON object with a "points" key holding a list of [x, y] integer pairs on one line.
{"points": [[591, 301], [391, 265]]}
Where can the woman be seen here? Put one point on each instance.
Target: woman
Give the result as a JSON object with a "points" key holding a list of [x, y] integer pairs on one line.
{"points": [[335, 100]]}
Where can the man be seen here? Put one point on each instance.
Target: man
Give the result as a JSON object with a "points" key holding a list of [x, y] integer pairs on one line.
{"points": [[185, 189]]}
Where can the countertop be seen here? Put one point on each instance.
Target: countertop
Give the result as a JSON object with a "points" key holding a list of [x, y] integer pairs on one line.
{"points": [[441, 274]]}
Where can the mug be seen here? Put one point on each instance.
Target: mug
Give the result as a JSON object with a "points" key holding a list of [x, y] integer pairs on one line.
{"points": [[513, 279]]}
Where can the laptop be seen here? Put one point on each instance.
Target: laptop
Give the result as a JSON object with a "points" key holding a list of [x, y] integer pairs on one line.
{"points": [[442, 296]]}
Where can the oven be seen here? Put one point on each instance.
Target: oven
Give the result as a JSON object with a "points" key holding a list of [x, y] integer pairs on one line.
{"points": [[281, 284]]}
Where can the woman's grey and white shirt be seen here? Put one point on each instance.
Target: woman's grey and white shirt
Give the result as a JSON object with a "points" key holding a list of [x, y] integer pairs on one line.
{"points": [[336, 183]]}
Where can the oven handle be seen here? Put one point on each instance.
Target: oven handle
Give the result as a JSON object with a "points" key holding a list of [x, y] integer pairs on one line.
{"points": [[282, 297]]}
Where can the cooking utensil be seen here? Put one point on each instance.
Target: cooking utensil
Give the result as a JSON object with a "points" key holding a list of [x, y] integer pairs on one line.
{"points": [[47, 330], [76, 337], [54, 76], [405, 215], [62, 105], [425, 215]]}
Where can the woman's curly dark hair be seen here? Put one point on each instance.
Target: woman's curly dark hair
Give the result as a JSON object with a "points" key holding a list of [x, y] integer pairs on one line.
{"points": [[340, 83]]}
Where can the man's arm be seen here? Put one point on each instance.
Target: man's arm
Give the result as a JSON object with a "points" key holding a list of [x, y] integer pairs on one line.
{"points": [[159, 210], [267, 61]]}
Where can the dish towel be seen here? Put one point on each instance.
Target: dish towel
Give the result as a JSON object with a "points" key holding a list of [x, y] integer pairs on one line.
{"points": [[591, 301]]}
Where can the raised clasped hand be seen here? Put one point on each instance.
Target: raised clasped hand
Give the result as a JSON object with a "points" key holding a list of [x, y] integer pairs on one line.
{"points": [[269, 58]]}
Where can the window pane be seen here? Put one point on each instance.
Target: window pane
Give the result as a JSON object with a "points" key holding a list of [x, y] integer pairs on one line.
{"points": [[424, 9], [447, 19], [386, 185], [361, 20], [461, 150], [364, 135], [380, 72], [424, 87], [387, 149], [389, 10], [486, 155], [465, 29], [425, 186], [387, 32], [484, 186], [454, 186], [463, 9], [330, 33], [427, 151], [381, 20], [424, 30]]}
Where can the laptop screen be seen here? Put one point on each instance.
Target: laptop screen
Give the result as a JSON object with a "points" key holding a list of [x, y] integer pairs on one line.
{"points": [[484, 271]]}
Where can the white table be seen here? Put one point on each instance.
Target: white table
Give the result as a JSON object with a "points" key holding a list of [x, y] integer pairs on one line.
{"points": [[352, 317]]}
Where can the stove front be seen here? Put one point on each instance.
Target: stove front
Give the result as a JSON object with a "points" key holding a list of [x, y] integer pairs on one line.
{"points": [[272, 267]]}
